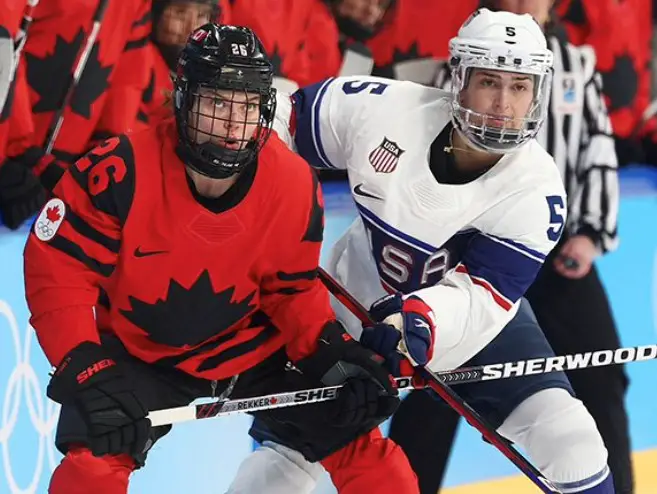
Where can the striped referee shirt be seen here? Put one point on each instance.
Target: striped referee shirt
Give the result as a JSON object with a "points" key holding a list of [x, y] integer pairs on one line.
{"points": [[577, 133]]}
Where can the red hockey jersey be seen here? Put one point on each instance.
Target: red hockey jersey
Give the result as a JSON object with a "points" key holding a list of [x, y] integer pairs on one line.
{"points": [[157, 94], [614, 31], [211, 293], [417, 30], [414, 32], [281, 26], [106, 101], [322, 43], [16, 130]]}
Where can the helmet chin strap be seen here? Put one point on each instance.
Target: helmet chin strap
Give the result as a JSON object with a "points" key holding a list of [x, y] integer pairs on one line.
{"points": [[471, 159], [470, 147]]}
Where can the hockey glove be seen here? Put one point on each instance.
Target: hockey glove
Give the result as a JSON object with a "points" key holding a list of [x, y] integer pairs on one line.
{"points": [[369, 395], [114, 415], [404, 333], [21, 193]]}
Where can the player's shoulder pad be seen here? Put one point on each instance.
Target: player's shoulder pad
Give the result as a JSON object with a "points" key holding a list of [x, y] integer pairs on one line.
{"points": [[297, 187], [107, 175]]}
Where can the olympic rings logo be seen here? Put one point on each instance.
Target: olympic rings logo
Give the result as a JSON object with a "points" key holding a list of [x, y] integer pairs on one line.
{"points": [[45, 229], [23, 387]]}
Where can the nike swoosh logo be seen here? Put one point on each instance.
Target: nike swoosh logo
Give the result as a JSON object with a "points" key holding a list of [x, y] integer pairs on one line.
{"points": [[141, 253], [358, 190]]}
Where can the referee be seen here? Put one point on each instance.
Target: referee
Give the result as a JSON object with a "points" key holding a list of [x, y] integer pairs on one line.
{"points": [[567, 296]]}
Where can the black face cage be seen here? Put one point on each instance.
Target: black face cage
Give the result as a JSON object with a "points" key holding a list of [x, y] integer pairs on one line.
{"points": [[221, 134]]}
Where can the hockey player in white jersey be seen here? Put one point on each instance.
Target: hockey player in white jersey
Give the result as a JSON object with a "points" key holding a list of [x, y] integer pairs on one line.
{"points": [[459, 206]]}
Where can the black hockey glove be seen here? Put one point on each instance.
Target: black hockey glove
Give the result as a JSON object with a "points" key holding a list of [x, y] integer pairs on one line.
{"points": [[114, 415], [369, 395], [21, 193]]}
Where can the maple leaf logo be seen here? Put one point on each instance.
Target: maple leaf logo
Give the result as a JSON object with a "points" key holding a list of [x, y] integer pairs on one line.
{"points": [[62, 60], [93, 84], [189, 316], [620, 83], [40, 72], [53, 214]]}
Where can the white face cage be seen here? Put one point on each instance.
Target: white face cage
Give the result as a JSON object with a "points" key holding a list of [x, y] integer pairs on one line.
{"points": [[476, 127]]}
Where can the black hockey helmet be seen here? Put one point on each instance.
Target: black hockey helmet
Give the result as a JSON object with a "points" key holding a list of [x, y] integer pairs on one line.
{"points": [[355, 30], [224, 100]]}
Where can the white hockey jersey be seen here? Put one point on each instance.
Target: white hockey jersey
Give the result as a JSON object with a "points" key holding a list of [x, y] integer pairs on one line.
{"points": [[470, 251]]}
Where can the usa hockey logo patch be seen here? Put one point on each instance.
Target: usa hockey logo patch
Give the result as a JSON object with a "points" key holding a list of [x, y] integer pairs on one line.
{"points": [[51, 217], [385, 157]]}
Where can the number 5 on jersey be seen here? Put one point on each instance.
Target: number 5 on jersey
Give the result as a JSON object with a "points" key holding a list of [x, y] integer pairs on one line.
{"points": [[557, 220]]}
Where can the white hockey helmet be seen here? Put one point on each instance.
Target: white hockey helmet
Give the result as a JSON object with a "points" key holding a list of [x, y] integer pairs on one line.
{"points": [[506, 42]]}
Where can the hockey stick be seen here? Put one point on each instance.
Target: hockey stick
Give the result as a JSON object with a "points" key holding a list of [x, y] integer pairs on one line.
{"points": [[21, 35], [244, 405], [58, 118], [463, 375], [457, 403]]}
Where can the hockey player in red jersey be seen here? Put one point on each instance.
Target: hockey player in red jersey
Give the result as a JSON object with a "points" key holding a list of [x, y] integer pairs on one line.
{"points": [[403, 38], [283, 28], [21, 194], [173, 20], [106, 99], [181, 262]]}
